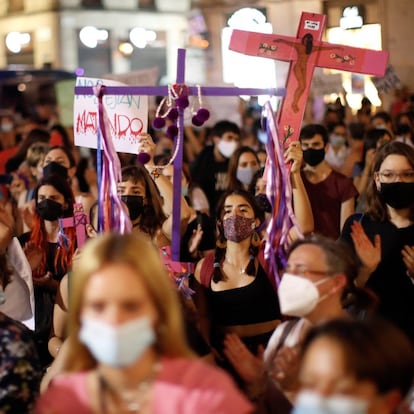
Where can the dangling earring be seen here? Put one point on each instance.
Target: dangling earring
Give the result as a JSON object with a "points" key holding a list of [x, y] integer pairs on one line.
{"points": [[255, 240], [221, 244]]}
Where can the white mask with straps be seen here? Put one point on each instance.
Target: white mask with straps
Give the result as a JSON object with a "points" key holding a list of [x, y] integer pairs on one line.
{"points": [[298, 296]]}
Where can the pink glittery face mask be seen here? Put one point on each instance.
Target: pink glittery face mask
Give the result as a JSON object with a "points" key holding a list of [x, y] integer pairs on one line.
{"points": [[237, 228]]}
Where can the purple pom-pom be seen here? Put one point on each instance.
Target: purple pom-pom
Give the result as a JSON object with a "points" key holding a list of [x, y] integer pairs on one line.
{"points": [[182, 102], [172, 131], [173, 114], [197, 121], [143, 157], [203, 114], [158, 122]]}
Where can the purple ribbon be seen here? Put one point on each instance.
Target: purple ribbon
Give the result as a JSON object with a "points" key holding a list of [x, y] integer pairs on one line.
{"points": [[279, 192], [111, 172], [63, 239]]}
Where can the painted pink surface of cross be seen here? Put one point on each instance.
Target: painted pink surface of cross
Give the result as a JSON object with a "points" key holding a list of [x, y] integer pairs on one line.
{"points": [[79, 221], [305, 52], [192, 91]]}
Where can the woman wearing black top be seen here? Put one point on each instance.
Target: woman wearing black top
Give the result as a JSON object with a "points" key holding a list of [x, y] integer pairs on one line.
{"points": [[240, 296], [383, 237]]}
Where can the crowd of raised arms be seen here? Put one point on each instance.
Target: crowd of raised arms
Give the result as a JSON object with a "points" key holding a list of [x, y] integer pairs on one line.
{"points": [[115, 325]]}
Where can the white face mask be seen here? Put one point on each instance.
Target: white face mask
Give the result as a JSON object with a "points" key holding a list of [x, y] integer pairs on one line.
{"points": [[309, 402], [298, 296], [226, 148], [7, 127], [117, 345], [337, 141], [245, 175]]}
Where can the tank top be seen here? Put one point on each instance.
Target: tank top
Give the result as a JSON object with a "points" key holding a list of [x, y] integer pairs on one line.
{"points": [[248, 305]]}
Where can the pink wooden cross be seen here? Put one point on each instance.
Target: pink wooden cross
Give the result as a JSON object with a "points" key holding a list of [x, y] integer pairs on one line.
{"points": [[79, 221], [305, 52]]}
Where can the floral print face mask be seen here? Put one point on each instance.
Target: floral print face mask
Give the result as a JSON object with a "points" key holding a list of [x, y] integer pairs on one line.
{"points": [[237, 228]]}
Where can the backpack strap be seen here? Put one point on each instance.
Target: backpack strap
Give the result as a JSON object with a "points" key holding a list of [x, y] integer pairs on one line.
{"points": [[206, 271], [286, 330]]}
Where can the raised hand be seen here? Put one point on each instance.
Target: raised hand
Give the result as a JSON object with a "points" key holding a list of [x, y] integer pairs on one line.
{"points": [[146, 144], [285, 368], [294, 154], [247, 365], [195, 239], [46, 281], [33, 254], [369, 253], [408, 259]]}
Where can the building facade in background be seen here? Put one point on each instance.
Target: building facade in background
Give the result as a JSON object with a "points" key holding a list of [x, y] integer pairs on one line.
{"points": [[96, 37]]}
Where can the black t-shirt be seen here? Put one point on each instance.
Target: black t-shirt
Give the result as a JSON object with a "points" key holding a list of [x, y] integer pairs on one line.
{"points": [[208, 239], [210, 175], [389, 281], [50, 257]]}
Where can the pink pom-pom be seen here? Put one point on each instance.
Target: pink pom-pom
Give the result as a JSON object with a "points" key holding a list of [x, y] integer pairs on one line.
{"points": [[203, 114], [172, 131], [196, 121], [182, 102], [143, 157], [173, 114], [158, 122]]}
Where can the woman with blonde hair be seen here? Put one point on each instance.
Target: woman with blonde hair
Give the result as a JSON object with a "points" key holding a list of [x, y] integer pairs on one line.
{"points": [[127, 351]]}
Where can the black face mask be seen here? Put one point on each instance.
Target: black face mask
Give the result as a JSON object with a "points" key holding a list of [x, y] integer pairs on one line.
{"points": [[397, 195], [135, 205], [49, 210], [314, 157], [263, 203], [56, 169]]}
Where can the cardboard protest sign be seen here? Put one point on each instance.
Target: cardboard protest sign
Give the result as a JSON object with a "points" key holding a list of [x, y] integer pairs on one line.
{"points": [[127, 117]]}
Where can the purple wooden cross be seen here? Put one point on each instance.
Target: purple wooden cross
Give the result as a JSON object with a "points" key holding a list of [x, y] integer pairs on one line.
{"points": [[192, 91]]}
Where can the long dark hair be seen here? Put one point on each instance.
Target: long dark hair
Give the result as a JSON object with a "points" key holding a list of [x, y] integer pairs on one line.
{"points": [[38, 236], [67, 152], [377, 208], [307, 40], [371, 139], [153, 215], [232, 182], [220, 250]]}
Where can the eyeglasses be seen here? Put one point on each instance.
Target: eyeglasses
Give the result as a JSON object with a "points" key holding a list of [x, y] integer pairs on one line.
{"points": [[389, 176], [300, 270]]}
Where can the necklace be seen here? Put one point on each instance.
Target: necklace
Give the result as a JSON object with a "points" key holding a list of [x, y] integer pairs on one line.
{"points": [[132, 400], [242, 270]]}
